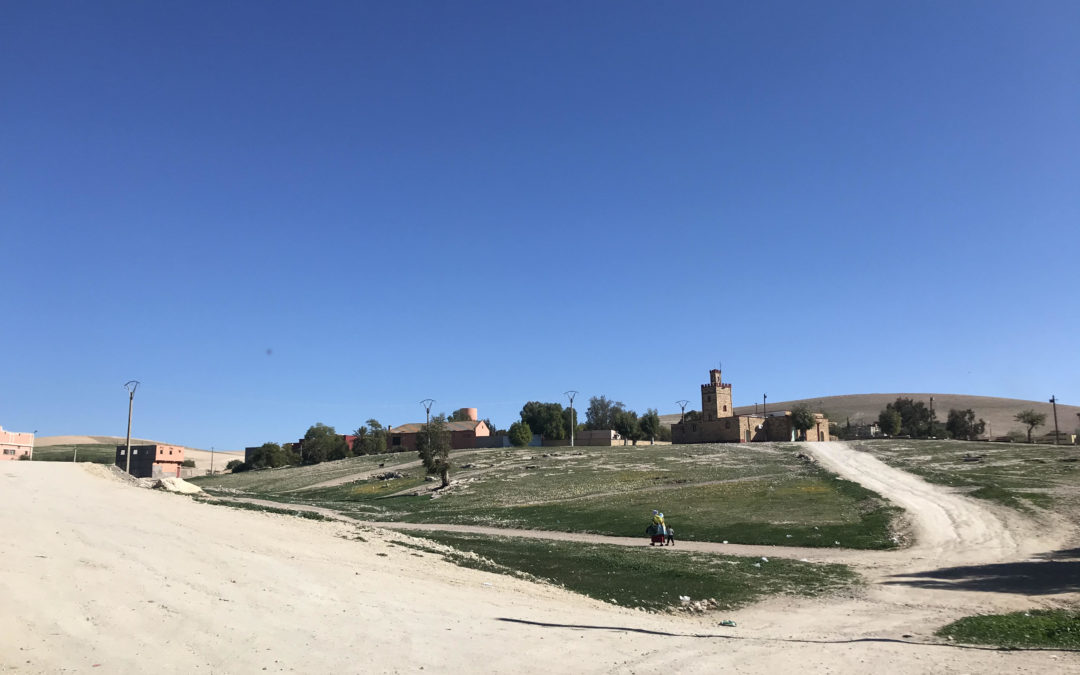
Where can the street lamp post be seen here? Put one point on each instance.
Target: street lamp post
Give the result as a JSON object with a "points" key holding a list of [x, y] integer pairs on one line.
{"points": [[682, 404], [131, 386], [573, 422], [1053, 401], [427, 403]]}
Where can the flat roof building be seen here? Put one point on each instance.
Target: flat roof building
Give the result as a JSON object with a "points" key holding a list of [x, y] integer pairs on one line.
{"points": [[16, 445]]}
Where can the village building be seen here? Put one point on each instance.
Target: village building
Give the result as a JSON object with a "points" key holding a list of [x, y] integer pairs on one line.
{"points": [[469, 433], [720, 424], [16, 444], [152, 461]]}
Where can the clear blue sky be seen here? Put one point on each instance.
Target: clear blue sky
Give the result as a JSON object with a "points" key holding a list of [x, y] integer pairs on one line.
{"points": [[281, 213]]}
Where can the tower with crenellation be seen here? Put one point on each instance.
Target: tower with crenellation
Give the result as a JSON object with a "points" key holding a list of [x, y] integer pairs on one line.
{"points": [[715, 398]]}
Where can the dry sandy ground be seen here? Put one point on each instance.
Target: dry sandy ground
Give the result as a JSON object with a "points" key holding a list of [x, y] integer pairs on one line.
{"points": [[104, 577]]}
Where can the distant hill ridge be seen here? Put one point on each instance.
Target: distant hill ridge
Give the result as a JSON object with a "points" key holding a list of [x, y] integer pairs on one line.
{"points": [[999, 413]]}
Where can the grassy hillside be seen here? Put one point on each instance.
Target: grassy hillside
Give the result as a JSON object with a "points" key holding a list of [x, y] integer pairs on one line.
{"points": [[759, 494], [97, 453], [998, 412], [1018, 475]]}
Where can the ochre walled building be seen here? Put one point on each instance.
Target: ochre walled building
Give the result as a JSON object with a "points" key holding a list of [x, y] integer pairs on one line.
{"points": [[470, 433], [720, 424]]}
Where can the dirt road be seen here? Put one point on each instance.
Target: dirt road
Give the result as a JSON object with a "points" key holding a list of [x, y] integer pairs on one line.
{"points": [[99, 574]]}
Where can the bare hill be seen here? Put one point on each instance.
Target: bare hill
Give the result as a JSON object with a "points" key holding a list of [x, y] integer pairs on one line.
{"points": [[999, 413]]}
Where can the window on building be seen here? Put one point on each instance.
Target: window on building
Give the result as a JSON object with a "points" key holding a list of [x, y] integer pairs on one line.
{"points": [[725, 408], [396, 440], [135, 452]]}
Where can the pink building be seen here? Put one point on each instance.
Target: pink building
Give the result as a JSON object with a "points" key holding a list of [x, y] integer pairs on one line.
{"points": [[16, 445]]}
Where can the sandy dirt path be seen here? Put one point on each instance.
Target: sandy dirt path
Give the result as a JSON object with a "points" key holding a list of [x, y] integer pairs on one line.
{"points": [[100, 574]]}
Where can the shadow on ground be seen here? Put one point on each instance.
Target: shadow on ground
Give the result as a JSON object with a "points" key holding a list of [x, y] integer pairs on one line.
{"points": [[1046, 574]]}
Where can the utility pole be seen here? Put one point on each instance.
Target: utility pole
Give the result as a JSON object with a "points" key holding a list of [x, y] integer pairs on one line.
{"points": [[1053, 400], [211, 460], [131, 386], [573, 422], [427, 403], [683, 405], [765, 414]]}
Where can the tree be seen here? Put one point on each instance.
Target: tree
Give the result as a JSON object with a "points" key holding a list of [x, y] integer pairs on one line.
{"points": [[802, 418], [491, 426], [890, 421], [231, 466], [190, 463], [961, 424], [692, 416], [370, 439], [520, 434], [601, 413], [433, 446], [545, 419], [915, 417], [627, 425], [650, 424], [1032, 419], [270, 455], [322, 443], [460, 415], [241, 467]]}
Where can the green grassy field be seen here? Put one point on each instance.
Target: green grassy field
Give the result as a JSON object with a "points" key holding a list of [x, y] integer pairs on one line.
{"points": [[648, 578], [1018, 475], [96, 453], [1037, 628], [759, 494]]}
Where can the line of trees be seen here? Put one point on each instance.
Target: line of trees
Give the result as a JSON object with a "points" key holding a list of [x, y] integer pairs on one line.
{"points": [[553, 422], [322, 443], [907, 417]]}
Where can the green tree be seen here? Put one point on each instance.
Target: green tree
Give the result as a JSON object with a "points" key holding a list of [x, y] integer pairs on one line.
{"points": [[370, 438], [915, 417], [802, 418], [433, 446], [601, 413], [692, 416], [1032, 419], [890, 421], [231, 466], [520, 434], [650, 424], [545, 419], [628, 426], [961, 424], [321, 443]]}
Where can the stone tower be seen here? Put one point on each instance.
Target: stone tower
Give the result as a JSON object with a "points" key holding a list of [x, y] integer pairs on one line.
{"points": [[715, 398]]}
